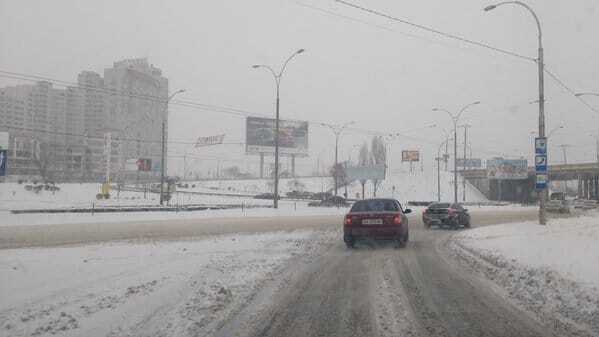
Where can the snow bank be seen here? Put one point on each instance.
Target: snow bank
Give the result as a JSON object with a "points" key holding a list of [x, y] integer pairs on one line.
{"points": [[400, 184], [139, 288], [550, 270]]}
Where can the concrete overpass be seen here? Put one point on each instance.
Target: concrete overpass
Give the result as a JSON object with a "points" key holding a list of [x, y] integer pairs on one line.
{"points": [[586, 174]]}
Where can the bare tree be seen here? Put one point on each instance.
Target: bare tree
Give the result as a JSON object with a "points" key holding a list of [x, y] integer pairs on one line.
{"points": [[43, 159], [379, 157]]}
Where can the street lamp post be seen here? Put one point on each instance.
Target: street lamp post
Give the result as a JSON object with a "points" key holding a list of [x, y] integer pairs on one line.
{"points": [[438, 159], [542, 193], [277, 77], [163, 144], [456, 118], [337, 130]]}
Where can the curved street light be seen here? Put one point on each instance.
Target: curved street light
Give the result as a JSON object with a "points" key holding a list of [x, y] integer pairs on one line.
{"points": [[163, 143], [586, 94], [277, 77], [337, 130], [456, 118], [541, 193]]}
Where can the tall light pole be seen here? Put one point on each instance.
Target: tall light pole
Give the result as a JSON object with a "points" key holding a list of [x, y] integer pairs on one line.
{"points": [[277, 76], [466, 127], [456, 118], [438, 159], [541, 193], [337, 130], [564, 148], [163, 144]]}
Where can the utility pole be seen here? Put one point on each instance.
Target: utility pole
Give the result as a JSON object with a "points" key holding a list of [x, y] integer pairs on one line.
{"points": [[455, 119], [337, 130], [163, 144], [564, 148], [465, 126], [277, 77], [542, 193], [438, 159]]}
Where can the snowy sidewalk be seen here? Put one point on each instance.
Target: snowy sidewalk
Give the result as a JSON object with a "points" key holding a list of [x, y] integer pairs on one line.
{"points": [[181, 288], [550, 270]]}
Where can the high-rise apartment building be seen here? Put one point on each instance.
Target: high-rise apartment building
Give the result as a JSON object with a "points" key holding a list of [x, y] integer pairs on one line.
{"points": [[76, 132]]}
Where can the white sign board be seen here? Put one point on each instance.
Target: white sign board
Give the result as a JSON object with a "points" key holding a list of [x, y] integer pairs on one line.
{"points": [[3, 140]]}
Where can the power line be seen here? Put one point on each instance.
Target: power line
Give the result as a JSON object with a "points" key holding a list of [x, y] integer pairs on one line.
{"points": [[435, 31], [569, 90]]}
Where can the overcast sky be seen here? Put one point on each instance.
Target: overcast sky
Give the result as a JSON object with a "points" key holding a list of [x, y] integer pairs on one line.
{"points": [[385, 76]]}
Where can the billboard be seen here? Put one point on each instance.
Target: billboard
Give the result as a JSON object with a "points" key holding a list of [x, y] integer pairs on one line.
{"points": [[376, 172], [3, 140], [260, 136], [144, 164], [507, 169], [410, 155], [211, 140], [470, 162]]}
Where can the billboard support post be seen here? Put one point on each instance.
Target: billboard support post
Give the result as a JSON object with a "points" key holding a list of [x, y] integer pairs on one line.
{"points": [[261, 165]]}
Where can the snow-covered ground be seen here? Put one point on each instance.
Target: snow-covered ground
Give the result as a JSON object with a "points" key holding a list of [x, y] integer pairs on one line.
{"points": [[286, 208], [178, 288], [14, 196], [550, 270], [400, 184]]}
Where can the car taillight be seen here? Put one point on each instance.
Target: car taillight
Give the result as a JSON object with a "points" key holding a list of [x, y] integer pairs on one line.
{"points": [[397, 220], [348, 220], [452, 212]]}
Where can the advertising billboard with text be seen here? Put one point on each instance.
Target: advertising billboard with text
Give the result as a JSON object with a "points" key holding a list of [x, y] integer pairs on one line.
{"points": [[507, 169], [410, 155], [260, 136]]}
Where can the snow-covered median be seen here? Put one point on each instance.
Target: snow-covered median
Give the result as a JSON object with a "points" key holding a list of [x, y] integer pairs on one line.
{"points": [[161, 288], [552, 271]]}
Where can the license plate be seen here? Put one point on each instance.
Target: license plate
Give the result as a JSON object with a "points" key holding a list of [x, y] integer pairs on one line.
{"points": [[372, 221]]}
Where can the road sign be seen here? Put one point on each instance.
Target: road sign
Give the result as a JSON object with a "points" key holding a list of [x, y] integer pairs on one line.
{"points": [[541, 181], [541, 145], [541, 163], [3, 162]]}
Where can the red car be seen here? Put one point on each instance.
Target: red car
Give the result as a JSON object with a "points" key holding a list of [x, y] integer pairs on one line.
{"points": [[380, 219]]}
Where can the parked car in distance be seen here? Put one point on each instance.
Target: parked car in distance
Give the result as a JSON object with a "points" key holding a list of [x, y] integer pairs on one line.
{"points": [[379, 219], [321, 195], [557, 206], [267, 196], [446, 214], [334, 201]]}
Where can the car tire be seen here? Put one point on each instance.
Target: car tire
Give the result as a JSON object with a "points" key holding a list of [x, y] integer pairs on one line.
{"points": [[402, 241], [467, 224], [349, 242], [427, 224]]}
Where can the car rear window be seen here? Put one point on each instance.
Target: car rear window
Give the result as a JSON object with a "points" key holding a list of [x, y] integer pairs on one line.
{"points": [[440, 205], [375, 206]]}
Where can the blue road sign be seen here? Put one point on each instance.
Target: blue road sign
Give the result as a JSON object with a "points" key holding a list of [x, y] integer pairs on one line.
{"points": [[541, 181], [541, 145], [3, 162], [540, 163]]}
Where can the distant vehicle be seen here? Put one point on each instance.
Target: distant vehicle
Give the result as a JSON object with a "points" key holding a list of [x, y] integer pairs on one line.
{"points": [[268, 196], [557, 206], [299, 195], [557, 203], [379, 219], [321, 195], [334, 201], [446, 214]]}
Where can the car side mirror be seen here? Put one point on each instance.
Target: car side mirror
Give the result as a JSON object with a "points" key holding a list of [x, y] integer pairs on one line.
{"points": [[407, 211]]}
